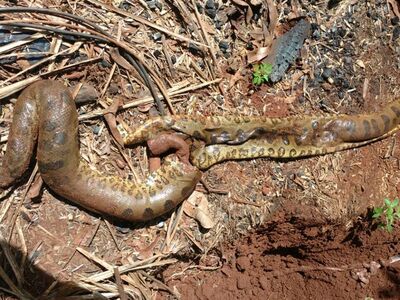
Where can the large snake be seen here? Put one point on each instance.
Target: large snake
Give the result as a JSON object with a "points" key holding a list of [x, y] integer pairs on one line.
{"points": [[240, 137], [46, 112]]}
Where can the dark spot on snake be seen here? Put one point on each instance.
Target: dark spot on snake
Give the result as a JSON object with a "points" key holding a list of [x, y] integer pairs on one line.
{"points": [[386, 121], [169, 205], [302, 152], [197, 135], [395, 110], [171, 175], [349, 125], [271, 151], [237, 119], [367, 129], [281, 152], [253, 150], [186, 191], [292, 153], [324, 150], [243, 153], [270, 138], [317, 152], [261, 152], [285, 140], [60, 138], [49, 126], [375, 126], [51, 166], [127, 213], [148, 213]]}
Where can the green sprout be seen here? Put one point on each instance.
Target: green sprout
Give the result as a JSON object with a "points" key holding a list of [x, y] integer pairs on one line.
{"points": [[387, 214], [261, 73]]}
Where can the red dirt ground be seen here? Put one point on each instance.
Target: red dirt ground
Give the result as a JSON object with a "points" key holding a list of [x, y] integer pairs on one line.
{"points": [[301, 255]]}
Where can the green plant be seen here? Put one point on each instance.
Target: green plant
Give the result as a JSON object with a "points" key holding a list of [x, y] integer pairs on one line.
{"points": [[261, 73], [387, 214]]}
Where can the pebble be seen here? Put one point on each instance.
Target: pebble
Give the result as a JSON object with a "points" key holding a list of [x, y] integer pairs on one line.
{"points": [[123, 230], [156, 36], [347, 60], [243, 282], [211, 9], [157, 53], [151, 4], [243, 263], [394, 20], [223, 46], [327, 73], [194, 49], [96, 129]]}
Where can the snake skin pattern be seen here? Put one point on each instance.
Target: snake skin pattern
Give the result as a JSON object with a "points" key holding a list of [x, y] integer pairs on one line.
{"points": [[45, 113], [239, 137]]}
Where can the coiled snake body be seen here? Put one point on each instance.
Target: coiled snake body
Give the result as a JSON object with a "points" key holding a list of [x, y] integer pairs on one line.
{"points": [[45, 112]]}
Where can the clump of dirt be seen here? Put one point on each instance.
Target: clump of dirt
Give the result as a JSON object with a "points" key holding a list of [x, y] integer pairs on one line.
{"points": [[299, 254]]}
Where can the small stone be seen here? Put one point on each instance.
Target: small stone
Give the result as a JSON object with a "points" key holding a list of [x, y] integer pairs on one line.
{"points": [[327, 73], [194, 49], [157, 53], [263, 280], [224, 46], [123, 230], [96, 129], [211, 9], [243, 282], [151, 4], [243, 263], [347, 60], [394, 20], [156, 36]]}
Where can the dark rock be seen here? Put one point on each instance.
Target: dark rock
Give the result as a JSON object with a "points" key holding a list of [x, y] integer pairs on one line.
{"points": [[327, 73], [157, 53], [211, 9], [194, 49], [156, 36], [223, 46], [394, 20], [250, 46]]}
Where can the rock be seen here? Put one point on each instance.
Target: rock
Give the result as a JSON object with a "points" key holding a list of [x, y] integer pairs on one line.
{"points": [[243, 263], [243, 282]]}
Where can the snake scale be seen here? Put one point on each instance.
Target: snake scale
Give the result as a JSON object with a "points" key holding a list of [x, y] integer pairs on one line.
{"points": [[45, 112]]}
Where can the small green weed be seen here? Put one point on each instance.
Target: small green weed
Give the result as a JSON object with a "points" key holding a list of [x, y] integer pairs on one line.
{"points": [[387, 214], [261, 73]]}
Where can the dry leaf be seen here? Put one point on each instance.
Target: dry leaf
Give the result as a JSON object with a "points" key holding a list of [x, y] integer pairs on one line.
{"points": [[196, 207], [258, 54]]}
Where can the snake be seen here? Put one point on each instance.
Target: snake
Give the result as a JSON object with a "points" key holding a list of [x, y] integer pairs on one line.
{"points": [[231, 137], [45, 114]]}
